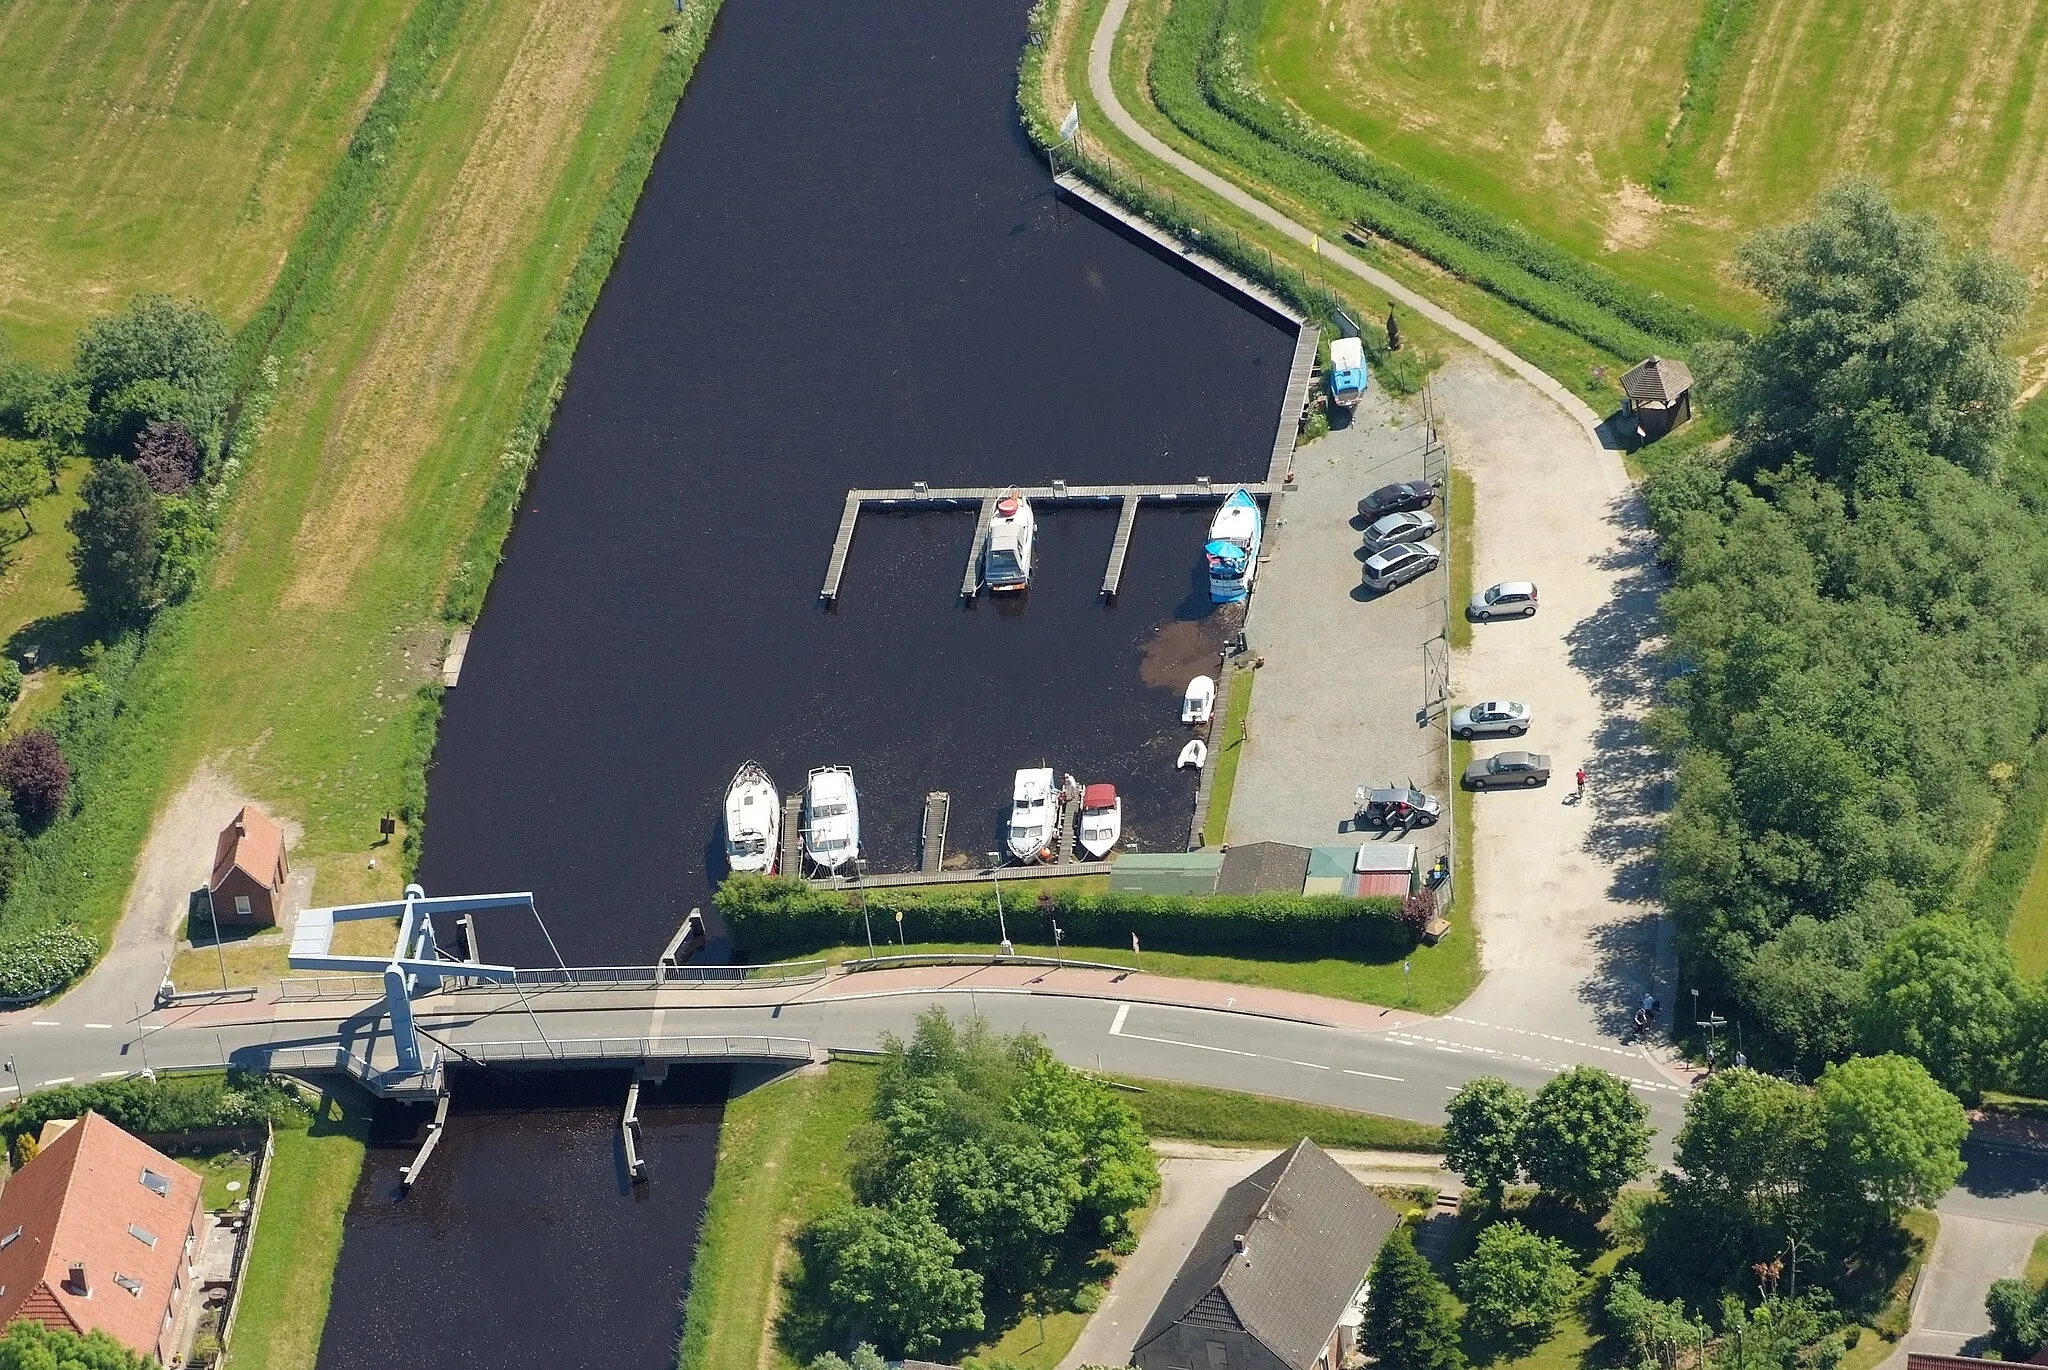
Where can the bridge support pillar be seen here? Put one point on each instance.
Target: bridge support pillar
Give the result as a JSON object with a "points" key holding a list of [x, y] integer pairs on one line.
{"points": [[398, 1003]]}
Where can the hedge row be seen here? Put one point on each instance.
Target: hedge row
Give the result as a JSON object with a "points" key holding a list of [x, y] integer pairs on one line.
{"points": [[2003, 878], [687, 36], [1198, 81], [37, 961], [168, 1103], [776, 917]]}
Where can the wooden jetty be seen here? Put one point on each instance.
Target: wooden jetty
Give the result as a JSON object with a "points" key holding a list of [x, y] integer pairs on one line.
{"points": [[1059, 493], [1300, 377], [1070, 820], [1009, 875], [792, 862], [938, 805]]}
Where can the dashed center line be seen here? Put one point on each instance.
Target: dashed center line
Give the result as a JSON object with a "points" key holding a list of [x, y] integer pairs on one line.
{"points": [[103, 1027], [43, 1022], [1397, 1079]]}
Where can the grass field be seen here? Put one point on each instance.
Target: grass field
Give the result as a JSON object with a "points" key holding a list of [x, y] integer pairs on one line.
{"points": [[298, 1235], [298, 667], [1577, 118], [1216, 824], [173, 146], [1196, 1114]]}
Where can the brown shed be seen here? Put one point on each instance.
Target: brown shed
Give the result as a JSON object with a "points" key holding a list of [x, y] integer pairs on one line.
{"points": [[1657, 396], [249, 869]]}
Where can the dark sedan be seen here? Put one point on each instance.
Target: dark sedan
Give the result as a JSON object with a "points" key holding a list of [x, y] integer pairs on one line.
{"points": [[1397, 499], [1508, 768]]}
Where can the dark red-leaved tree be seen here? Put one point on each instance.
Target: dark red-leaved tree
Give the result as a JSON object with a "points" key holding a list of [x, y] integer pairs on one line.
{"points": [[168, 457], [35, 774]]}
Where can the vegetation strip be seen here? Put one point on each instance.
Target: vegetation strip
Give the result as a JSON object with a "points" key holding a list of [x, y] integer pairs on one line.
{"points": [[1196, 1113]]}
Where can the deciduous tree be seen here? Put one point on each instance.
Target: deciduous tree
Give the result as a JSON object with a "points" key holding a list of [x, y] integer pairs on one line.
{"points": [[1483, 1136], [891, 1274], [116, 556], [160, 359], [1410, 1321], [1516, 1283], [1585, 1137], [1944, 991], [23, 478], [1744, 1158], [31, 1346], [1894, 1136], [168, 457], [35, 774]]}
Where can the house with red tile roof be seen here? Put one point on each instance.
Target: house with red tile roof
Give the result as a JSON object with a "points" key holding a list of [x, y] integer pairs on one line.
{"points": [[99, 1231], [249, 870]]}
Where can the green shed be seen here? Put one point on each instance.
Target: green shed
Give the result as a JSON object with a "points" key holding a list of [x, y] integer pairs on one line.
{"points": [[1180, 872]]}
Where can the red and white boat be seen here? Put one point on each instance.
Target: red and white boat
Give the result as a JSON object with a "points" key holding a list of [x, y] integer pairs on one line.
{"points": [[1102, 820]]}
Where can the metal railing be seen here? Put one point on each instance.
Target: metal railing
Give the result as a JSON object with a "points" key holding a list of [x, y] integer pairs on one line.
{"points": [[974, 958], [300, 989], [639, 1049], [308, 988]]}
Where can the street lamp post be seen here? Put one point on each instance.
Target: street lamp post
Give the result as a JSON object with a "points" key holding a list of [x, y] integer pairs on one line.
{"points": [[995, 875], [1058, 935]]}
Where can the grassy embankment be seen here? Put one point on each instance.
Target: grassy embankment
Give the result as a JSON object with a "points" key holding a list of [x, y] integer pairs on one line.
{"points": [[1216, 825], [782, 1159], [298, 1236], [1511, 109], [423, 349]]}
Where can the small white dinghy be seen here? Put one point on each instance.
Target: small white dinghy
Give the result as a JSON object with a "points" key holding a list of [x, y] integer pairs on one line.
{"points": [[1195, 754], [1198, 705], [1102, 820]]}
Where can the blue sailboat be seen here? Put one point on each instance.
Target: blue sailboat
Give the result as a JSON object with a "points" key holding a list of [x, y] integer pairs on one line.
{"points": [[1233, 548]]}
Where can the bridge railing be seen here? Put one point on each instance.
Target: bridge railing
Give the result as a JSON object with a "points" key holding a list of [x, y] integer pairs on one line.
{"points": [[973, 958], [659, 1048], [298, 989], [307, 988]]}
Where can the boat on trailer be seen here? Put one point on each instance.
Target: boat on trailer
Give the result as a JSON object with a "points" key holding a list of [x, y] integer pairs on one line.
{"points": [[753, 821], [831, 819]]}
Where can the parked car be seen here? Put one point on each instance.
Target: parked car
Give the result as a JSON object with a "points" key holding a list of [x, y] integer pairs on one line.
{"points": [[1492, 718], [1505, 600], [1508, 768], [1397, 806], [1398, 499], [1411, 525], [1399, 564]]}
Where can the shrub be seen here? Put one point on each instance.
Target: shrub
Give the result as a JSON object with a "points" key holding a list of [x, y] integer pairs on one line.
{"points": [[35, 774], [36, 962], [10, 683], [1516, 1283], [773, 917], [168, 1103], [32, 1346], [168, 457]]}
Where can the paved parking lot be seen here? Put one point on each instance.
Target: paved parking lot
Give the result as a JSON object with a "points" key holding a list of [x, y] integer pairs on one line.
{"points": [[1334, 706]]}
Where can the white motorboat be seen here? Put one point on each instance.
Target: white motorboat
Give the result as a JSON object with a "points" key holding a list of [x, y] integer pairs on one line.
{"points": [[1198, 705], [1102, 820], [1348, 376], [1033, 815], [753, 820], [1006, 557], [831, 819], [1195, 754], [1233, 548]]}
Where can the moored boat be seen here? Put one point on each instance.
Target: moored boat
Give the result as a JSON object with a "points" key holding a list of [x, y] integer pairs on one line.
{"points": [[1006, 557], [1198, 705], [753, 820], [831, 819], [1032, 815], [1102, 820], [1233, 548], [1194, 754]]}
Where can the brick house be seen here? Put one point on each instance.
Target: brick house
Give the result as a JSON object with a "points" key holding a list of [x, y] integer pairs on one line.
{"points": [[1275, 1278], [99, 1232], [249, 870]]}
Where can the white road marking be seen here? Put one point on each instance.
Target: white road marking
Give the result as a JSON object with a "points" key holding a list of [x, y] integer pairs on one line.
{"points": [[110, 1074], [43, 1022], [60, 1079], [1227, 1051], [1370, 1076], [1116, 1024], [103, 1027]]}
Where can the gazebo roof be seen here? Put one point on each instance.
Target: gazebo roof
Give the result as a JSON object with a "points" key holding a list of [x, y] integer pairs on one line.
{"points": [[1660, 380]]}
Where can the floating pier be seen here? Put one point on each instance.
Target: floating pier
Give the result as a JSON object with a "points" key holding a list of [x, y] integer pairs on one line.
{"points": [[1070, 820], [1059, 493], [792, 835], [938, 805], [1008, 875]]}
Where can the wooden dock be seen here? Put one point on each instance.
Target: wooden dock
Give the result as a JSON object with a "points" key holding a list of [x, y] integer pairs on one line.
{"points": [[1070, 820], [1010, 874], [938, 805], [1055, 495], [792, 835], [1300, 376]]}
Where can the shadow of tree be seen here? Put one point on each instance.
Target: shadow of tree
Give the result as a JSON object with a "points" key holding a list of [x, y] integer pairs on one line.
{"points": [[55, 640]]}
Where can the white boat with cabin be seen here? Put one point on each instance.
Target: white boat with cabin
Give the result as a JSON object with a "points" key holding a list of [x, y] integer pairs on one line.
{"points": [[1348, 376], [1006, 557], [1198, 705], [753, 821], [831, 819], [1102, 820], [1233, 548], [1033, 815]]}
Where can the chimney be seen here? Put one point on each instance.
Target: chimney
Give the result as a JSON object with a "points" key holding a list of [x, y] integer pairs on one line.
{"points": [[241, 828], [76, 1283], [1238, 1241]]}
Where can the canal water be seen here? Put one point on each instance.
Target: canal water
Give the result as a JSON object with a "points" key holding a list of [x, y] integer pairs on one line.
{"points": [[524, 1244], [847, 269]]}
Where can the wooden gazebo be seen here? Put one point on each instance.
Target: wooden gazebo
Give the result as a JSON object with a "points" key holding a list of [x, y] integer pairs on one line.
{"points": [[1657, 396]]}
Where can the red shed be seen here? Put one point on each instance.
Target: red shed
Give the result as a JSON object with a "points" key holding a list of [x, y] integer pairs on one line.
{"points": [[249, 869]]}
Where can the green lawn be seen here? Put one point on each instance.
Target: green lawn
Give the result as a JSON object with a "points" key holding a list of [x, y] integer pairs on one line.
{"points": [[1217, 824], [37, 598], [172, 146], [298, 1235], [298, 666], [217, 1170], [1441, 976], [1463, 554], [2028, 934], [2036, 1272], [1197, 1114]]}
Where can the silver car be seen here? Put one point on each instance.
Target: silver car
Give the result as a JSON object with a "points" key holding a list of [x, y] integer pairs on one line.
{"points": [[1492, 718], [1399, 564], [1508, 768], [1508, 599], [1413, 525]]}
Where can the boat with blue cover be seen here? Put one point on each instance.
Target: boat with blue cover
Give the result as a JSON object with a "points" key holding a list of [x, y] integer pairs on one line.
{"points": [[1348, 376], [1233, 548]]}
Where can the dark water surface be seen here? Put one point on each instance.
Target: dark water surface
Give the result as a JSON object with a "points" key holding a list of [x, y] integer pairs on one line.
{"points": [[846, 270], [523, 1244]]}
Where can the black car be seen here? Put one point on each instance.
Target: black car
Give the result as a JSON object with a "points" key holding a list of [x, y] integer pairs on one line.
{"points": [[1397, 499]]}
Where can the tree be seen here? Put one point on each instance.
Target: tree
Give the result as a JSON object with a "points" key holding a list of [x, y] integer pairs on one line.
{"points": [[116, 555], [1586, 1136], [32, 1346], [33, 771], [1483, 1138], [160, 359], [1744, 1156], [22, 478], [2015, 1309], [890, 1273], [1894, 1137], [1778, 1334], [865, 1357], [1516, 1283], [1410, 1321], [1945, 992], [168, 457], [1871, 312], [1657, 1329]]}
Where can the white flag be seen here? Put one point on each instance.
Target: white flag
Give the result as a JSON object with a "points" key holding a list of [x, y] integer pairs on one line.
{"points": [[1072, 123], [1134, 944]]}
